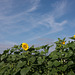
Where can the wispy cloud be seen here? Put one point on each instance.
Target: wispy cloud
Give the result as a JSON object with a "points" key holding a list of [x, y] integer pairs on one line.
{"points": [[9, 23], [49, 20], [14, 23], [35, 5], [59, 8]]}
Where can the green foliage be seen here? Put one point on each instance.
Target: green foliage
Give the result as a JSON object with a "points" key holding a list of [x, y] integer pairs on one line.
{"points": [[61, 61]]}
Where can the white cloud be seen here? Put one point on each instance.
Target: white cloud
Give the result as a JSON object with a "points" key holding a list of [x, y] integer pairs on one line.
{"points": [[59, 8], [49, 20], [9, 23], [35, 5]]}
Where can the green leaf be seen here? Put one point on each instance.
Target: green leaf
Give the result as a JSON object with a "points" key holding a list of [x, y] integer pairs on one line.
{"points": [[50, 64], [20, 63], [64, 38], [2, 57], [42, 53], [72, 38], [46, 51], [37, 53], [15, 46], [1, 63], [32, 59], [49, 47], [44, 58], [2, 70], [70, 63], [59, 54], [57, 42], [62, 68], [6, 73], [32, 46], [59, 39], [37, 48], [6, 51], [40, 60], [54, 57], [16, 71], [56, 63], [45, 46], [71, 73], [9, 59], [13, 57], [70, 53], [66, 55], [19, 48], [54, 71], [53, 53], [33, 51], [12, 50], [24, 71]]}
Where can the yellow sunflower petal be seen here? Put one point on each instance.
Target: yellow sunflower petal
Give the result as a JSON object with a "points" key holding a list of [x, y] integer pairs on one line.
{"points": [[63, 42], [74, 36], [25, 46]]}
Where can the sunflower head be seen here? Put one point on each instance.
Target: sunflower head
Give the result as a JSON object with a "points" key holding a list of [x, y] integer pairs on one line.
{"points": [[63, 42], [25, 46]]}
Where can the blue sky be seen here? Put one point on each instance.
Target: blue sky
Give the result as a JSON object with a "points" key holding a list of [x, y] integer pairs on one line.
{"points": [[35, 22]]}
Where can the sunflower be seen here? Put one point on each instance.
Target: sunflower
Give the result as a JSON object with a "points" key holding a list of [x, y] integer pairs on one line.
{"points": [[25, 46], [74, 36], [63, 42]]}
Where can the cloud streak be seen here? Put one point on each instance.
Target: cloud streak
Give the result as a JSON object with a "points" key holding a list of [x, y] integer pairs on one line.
{"points": [[49, 20], [10, 22], [14, 23]]}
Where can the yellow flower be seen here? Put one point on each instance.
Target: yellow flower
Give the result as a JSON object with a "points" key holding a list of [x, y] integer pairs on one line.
{"points": [[74, 36], [63, 42], [25, 46]]}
